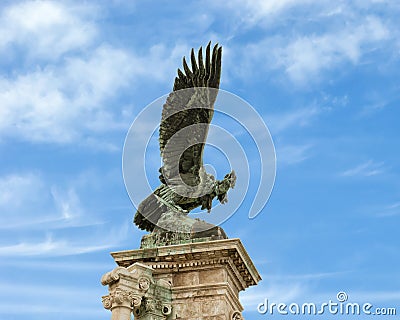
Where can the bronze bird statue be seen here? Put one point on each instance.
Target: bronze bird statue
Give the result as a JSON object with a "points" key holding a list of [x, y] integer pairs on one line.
{"points": [[185, 184]]}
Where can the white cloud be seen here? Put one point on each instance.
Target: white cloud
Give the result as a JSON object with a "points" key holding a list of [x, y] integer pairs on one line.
{"points": [[316, 38], [59, 103], [306, 56], [47, 28], [55, 103], [365, 169], [63, 95], [70, 94]]}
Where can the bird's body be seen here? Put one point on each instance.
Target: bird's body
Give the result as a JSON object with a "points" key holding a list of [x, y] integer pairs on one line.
{"points": [[186, 116], [169, 197]]}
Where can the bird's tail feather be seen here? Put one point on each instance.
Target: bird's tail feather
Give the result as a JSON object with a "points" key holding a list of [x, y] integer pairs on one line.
{"points": [[149, 212]]}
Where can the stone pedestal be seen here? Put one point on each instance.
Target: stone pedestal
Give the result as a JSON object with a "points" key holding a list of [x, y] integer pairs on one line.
{"points": [[185, 281]]}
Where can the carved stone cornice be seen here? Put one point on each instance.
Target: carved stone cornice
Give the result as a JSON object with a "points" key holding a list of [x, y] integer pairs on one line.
{"points": [[227, 251]]}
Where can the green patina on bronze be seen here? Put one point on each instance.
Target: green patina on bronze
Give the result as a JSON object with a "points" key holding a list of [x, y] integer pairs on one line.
{"points": [[185, 185]]}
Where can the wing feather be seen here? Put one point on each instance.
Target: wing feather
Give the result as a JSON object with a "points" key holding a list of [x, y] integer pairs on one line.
{"points": [[187, 114]]}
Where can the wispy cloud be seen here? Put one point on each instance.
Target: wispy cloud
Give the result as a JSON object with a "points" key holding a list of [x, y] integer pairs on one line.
{"points": [[24, 201], [365, 169], [300, 117], [49, 247], [253, 12], [383, 211], [292, 154], [32, 201], [50, 264], [379, 100], [18, 189], [68, 206], [54, 246]]}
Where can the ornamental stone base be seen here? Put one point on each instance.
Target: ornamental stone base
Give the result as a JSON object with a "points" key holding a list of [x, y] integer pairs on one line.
{"points": [[185, 281]]}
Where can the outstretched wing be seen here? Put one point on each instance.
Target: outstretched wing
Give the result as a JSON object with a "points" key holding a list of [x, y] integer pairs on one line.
{"points": [[183, 131], [186, 116]]}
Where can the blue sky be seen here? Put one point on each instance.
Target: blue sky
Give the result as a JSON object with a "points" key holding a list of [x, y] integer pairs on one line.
{"points": [[324, 76]]}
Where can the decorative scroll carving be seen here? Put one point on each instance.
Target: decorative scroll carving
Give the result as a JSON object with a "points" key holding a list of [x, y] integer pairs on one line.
{"points": [[107, 301], [113, 276], [121, 298], [135, 288], [136, 301]]}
